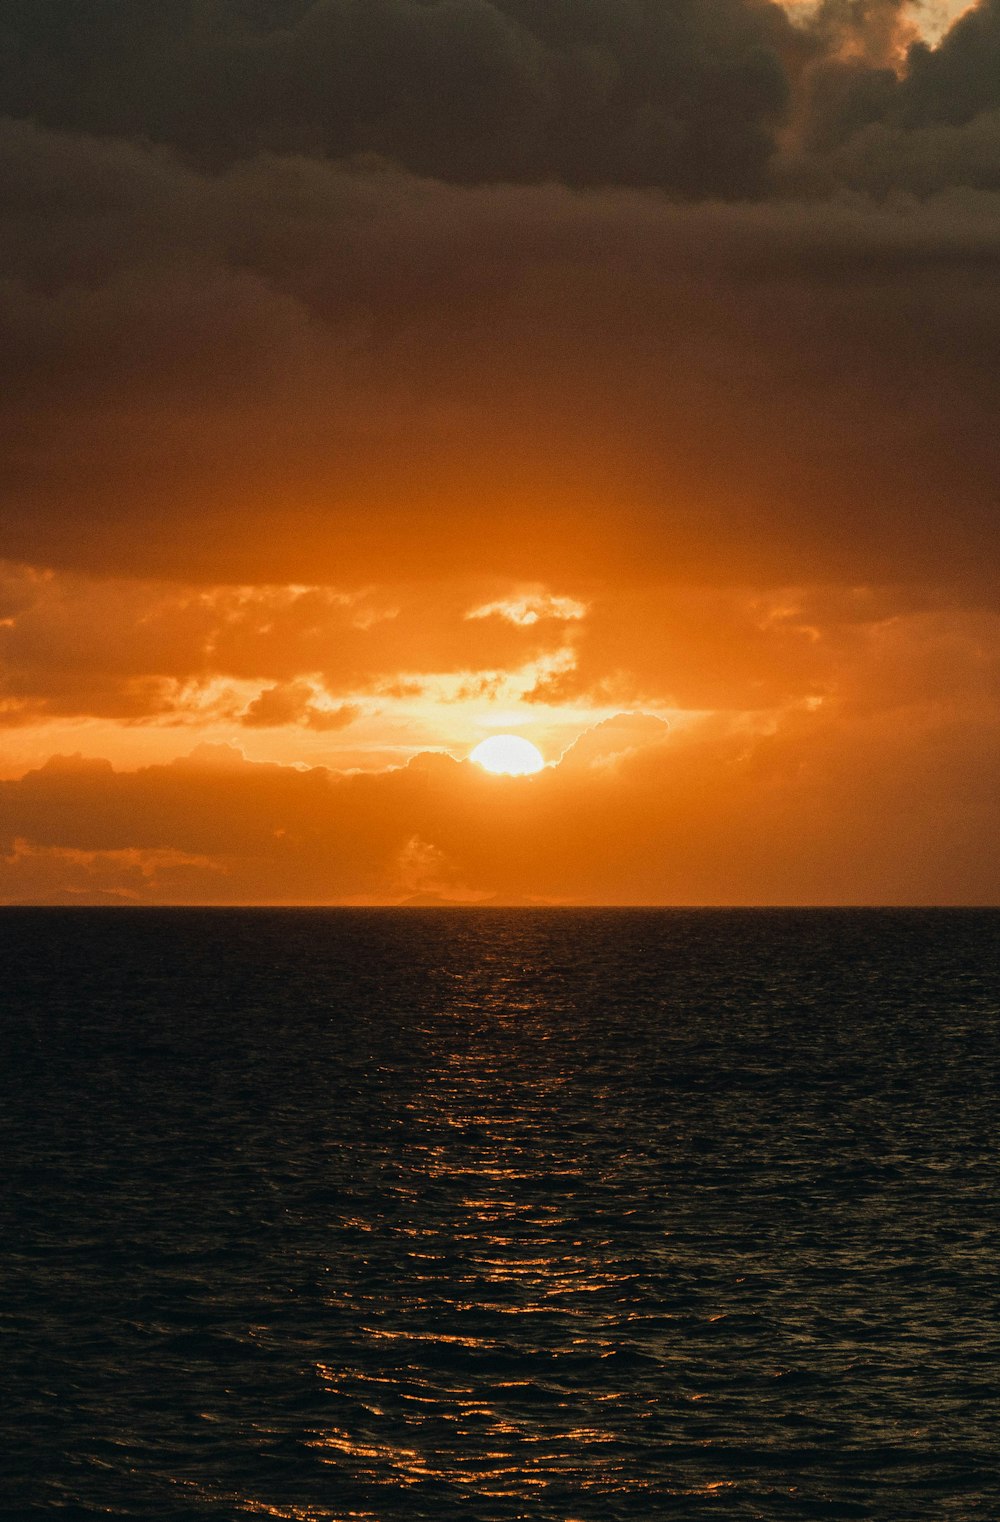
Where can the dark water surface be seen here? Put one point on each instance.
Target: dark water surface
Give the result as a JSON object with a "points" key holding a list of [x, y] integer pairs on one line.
{"points": [[506, 1214]]}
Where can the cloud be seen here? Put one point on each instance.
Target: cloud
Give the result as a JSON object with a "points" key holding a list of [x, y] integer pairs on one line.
{"points": [[295, 703], [682, 96], [958, 80], [136, 650], [319, 660], [529, 608], [365, 364], [291, 372], [820, 809]]}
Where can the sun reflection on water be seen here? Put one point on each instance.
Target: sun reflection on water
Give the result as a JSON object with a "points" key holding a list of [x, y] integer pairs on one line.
{"points": [[502, 1298]]}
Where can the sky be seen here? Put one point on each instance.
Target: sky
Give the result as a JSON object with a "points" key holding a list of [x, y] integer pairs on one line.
{"points": [[380, 375]]}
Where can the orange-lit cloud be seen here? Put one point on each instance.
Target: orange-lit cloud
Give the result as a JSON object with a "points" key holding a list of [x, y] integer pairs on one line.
{"points": [[779, 741], [816, 811], [368, 387]]}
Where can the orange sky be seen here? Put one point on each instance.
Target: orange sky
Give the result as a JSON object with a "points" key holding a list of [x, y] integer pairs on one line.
{"points": [[706, 745], [639, 399]]}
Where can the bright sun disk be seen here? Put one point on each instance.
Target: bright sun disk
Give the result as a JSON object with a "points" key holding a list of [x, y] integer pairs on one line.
{"points": [[508, 754]]}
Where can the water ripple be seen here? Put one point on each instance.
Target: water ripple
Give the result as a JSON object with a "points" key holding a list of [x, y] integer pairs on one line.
{"points": [[576, 1217]]}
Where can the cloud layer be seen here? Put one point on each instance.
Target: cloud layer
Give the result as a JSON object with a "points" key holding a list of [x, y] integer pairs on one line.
{"points": [[684, 95], [369, 368], [858, 812], [295, 372]]}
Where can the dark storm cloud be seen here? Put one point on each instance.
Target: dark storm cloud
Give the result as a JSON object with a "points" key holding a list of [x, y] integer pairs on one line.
{"points": [[295, 371], [238, 345], [960, 79], [882, 111], [688, 95], [684, 95]]}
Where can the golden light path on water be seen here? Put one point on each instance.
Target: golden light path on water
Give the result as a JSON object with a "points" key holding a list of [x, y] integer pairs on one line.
{"points": [[507, 1302]]}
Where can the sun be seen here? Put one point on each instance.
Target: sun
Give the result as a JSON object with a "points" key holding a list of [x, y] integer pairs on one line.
{"points": [[509, 755]]}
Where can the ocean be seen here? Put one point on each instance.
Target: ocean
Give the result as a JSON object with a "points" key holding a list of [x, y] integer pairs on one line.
{"points": [[563, 1216]]}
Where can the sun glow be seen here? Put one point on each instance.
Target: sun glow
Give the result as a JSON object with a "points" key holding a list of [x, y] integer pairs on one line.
{"points": [[509, 755]]}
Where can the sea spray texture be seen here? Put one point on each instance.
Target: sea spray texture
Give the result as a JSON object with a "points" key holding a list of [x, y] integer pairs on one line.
{"points": [[498, 1214]]}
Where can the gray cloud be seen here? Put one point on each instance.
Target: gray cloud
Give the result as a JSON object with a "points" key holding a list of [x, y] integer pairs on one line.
{"points": [[955, 82], [685, 95], [238, 345], [295, 371]]}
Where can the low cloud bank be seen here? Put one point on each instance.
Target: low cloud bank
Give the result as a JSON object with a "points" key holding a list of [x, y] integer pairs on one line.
{"points": [[864, 810]]}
